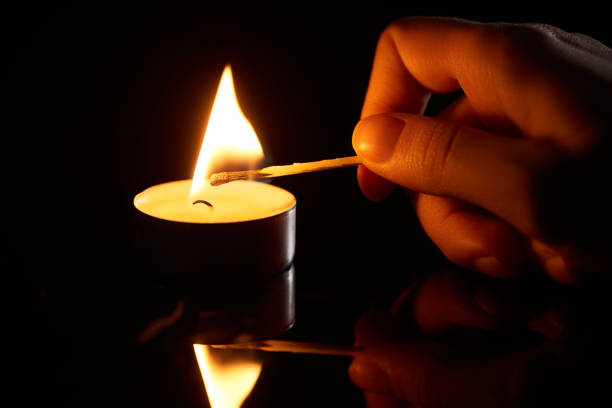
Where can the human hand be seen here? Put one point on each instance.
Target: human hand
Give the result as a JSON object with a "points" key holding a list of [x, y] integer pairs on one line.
{"points": [[463, 339], [515, 172]]}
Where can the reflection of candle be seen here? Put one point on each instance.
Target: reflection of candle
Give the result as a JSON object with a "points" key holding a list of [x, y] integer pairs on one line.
{"points": [[229, 249]]}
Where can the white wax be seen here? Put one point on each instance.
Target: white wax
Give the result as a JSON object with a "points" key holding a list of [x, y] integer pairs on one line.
{"points": [[232, 202]]}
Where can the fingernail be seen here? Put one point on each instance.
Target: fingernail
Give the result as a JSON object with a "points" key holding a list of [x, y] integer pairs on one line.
{"points": [[369, 376], [374, 137], [491, 266]]}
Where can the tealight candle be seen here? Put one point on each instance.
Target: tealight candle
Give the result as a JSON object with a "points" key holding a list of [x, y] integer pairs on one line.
{"points": [[232, 202], [228, 250], [231, 265]]}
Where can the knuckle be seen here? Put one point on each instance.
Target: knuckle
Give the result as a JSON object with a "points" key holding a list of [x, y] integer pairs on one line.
{"points": [[390, 31], [512, 47], [397, 24], [506, 42], [544, 32]]}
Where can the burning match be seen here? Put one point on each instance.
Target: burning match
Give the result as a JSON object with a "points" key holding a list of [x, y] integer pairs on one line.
{"points": [[277, 171]]}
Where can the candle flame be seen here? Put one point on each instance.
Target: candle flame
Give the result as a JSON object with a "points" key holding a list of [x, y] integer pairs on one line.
{"points": [[230, 142], [228, 377]]}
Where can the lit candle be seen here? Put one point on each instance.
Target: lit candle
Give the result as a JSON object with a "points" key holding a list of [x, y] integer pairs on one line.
{"points": [[229, 140], [229, 248], [232, 202]]}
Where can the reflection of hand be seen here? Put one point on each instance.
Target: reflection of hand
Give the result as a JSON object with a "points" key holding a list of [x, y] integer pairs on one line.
{"points": [[447, 344], [517, 168]]}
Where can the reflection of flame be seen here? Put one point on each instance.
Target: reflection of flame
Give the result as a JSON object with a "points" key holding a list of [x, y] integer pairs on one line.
{"points": [[229, 139], [228, 377]]}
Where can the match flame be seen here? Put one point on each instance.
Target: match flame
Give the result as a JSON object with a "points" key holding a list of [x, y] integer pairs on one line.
{"points": [[228, 378], [230, 142]]}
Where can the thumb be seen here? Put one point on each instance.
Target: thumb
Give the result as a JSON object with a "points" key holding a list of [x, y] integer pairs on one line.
{"points": [[437, 156]]}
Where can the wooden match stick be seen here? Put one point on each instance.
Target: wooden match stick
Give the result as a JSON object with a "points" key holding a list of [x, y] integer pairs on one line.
{"points": [[282, 346], [277, 171]]}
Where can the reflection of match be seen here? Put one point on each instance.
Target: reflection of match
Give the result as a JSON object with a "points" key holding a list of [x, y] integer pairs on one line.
{"points": [[282, 346], [277, 171]]}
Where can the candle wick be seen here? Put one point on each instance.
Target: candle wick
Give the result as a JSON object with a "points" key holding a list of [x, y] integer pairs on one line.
{"points": [[202, 202]]}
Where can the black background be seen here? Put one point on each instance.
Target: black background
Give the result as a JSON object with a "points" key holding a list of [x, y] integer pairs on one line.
{"points": [[107, 99]]}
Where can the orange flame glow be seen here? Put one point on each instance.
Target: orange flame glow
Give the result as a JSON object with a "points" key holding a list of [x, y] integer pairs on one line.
{"points": [[228, 376], [229, 140]]}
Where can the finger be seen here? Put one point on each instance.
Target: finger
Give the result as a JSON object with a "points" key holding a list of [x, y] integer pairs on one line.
{"points": [[372, 185], [506, 70], [440, 157], [458, 298], [377, 188], [470, 238], [467, 235], [428, 374], [447, 300]]}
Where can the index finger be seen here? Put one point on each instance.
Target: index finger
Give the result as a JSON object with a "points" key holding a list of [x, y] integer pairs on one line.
{"points": [[398, 81], [515, 76]]}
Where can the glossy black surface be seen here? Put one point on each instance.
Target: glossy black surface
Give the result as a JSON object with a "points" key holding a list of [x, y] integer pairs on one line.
{"points": [[108, 99]]}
